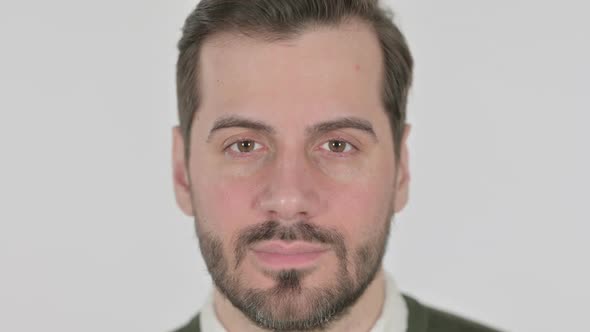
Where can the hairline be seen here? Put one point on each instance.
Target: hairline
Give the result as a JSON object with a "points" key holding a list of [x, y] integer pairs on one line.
{"points": [[267, 35]]}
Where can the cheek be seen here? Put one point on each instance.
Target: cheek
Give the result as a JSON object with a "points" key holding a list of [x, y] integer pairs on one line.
{"points": [[362, 209], [223, 205]]}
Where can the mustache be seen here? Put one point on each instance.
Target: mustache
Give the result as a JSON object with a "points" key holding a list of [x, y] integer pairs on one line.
{"points": [[299, 231]]}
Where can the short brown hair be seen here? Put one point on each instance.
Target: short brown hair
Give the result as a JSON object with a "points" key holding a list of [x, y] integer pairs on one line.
{"points": [[284, 19]]}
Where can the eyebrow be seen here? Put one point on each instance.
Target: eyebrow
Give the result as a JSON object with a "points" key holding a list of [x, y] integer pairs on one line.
{"points": [[342, 123], [240, 122], [233, 121]]}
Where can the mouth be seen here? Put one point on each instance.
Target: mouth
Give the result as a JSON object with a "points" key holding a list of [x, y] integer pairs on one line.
{"points": [[277, 255]]}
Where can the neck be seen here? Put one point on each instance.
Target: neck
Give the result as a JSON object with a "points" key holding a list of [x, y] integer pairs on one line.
{"points": [[360, 317]]}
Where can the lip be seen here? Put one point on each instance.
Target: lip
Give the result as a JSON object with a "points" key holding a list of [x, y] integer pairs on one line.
{"points": [[288, 248], [281, 255]]}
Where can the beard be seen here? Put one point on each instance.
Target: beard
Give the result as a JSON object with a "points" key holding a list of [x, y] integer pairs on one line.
{"points": [[288, 305]]}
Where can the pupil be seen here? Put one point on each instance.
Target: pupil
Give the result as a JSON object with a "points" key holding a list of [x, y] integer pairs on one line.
{"points": [[245, 146], [337, 146]]}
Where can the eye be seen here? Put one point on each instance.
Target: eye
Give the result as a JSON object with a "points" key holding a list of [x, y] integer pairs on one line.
{"points": [[337, 146], [244, 146]]}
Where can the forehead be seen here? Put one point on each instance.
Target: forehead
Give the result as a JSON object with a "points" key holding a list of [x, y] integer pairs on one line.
{"points": [[325, 71]]}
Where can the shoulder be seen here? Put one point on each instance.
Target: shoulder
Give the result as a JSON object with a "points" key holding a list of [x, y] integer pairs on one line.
{"points": [[422, 318], [192, 326]]}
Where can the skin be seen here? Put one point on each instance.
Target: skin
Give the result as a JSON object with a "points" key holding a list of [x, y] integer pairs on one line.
{"points": [[291, 172]]}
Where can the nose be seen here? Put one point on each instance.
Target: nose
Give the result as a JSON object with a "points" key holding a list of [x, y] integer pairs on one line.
{"points": [[289, 192]]}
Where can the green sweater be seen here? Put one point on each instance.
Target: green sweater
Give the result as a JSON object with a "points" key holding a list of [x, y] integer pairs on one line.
{"points": [[421, 318]]}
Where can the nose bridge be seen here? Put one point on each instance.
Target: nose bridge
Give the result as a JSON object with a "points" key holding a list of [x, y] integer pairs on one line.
{"points": [[291, 169], [289, 192]]}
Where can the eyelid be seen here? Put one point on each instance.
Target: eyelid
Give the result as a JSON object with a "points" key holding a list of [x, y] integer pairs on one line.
{"points": [[239, 138], [245, 140], [353, 147], [229, 152]]}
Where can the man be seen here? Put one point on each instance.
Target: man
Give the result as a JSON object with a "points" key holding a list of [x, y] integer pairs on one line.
{"points": [[291, 156]]}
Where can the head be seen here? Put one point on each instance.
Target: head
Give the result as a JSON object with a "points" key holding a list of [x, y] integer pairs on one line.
{"points": [[291, 150]]}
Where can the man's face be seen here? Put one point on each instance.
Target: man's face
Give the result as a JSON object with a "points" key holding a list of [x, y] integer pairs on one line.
{"points": [[292, 178]]}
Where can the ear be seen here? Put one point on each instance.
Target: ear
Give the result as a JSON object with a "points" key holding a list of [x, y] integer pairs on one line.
{"points": [[180, 173], [402, 181]]}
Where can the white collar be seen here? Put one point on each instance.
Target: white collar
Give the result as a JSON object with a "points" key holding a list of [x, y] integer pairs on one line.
{"points": [[393, 318], [209, 321]]}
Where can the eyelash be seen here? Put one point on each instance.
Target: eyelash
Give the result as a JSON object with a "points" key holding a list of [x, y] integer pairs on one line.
{"points": [[351, 148], [228, 149]]}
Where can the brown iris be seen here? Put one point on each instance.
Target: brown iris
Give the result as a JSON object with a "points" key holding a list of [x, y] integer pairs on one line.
{"points": [[337, 146], [246, 146]]}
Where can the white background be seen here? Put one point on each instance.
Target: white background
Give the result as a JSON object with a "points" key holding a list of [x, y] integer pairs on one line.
{"points": [[496, 228]]}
